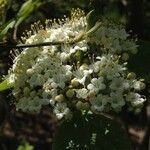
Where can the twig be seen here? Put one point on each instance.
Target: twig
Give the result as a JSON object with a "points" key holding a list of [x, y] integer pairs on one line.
{"points": [[79, 38]]}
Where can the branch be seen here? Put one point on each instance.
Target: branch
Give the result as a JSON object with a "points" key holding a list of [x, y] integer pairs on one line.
{"points": [[34, 45], [79, 38]]}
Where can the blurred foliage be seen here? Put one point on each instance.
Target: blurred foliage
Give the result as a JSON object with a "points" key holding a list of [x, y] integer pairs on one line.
{"points": [[26, 9], [25, 146], [4, 86]]}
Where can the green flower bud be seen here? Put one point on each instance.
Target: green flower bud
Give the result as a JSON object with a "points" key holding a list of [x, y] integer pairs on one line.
{"points": [[59, 98], [131, 75], [70, 93], [74, 82], [26, 91], [86, 106], [101, 73], [30, 71], [91, 94], [78, 55], [84, 66], [79, 105]]}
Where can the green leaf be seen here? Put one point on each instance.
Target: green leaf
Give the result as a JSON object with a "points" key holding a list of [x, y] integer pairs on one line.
{"points": [[25, 146], [4, 85], [4, 29], [91, 19], [91, 133], [27, 8]]}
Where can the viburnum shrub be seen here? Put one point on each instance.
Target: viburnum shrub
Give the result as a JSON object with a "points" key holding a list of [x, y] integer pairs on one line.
{"points": [[78, 67], [84, 70]]}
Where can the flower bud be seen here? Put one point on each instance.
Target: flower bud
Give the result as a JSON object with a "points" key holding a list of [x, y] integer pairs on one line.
{"points": [[70, 93], [74, 82], [79, 105], [26, 91], [91, 94], [101, 73], [59, 98], [131, 75], [83, 66], [86, 106], [30, 71]]}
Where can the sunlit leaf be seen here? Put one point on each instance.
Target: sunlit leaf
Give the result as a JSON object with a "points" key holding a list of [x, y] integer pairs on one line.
{"points": [[26, 9], [6, 27], [25, 146], [4, 85]]}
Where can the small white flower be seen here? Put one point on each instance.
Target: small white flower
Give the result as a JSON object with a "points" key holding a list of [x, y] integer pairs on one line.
{"points": [[82, 93], [81, 75], [11, 79], [117, 101], [138, 85], [99, 103], [96, 84], [135, 99], [61, 110]]}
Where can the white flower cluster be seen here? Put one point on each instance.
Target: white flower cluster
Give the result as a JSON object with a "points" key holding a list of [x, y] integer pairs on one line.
{"points": [[114, 39], [71, 77]]}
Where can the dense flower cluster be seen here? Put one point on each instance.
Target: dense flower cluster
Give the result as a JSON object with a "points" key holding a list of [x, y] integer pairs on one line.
{"points": [[74, 76]]}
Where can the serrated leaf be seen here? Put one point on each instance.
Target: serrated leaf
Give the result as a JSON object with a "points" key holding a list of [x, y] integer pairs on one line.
{"points": [[78, 134], [4, 85]]}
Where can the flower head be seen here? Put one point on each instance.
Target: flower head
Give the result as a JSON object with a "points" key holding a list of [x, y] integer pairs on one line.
{"points": [[72, 76]]}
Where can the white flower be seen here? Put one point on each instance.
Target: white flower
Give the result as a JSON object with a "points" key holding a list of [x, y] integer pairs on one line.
{"points": [[96, 84], [99, 103], [61, 110], [82, 93], [138, 85], [117, 100], [81, 75], [107, 65], [135, 99], [11, 79]]}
